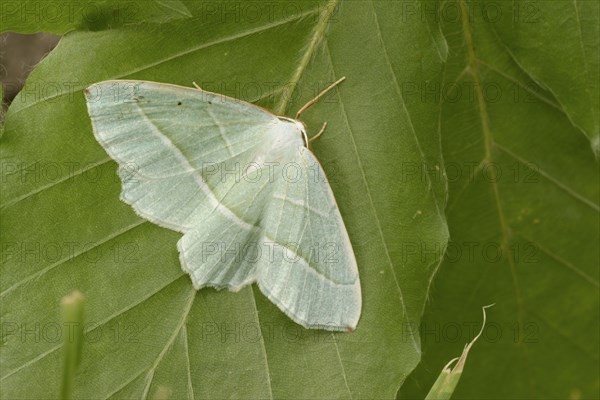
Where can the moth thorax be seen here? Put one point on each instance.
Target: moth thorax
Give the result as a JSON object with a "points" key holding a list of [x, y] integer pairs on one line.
{"points": [[299, 125]]}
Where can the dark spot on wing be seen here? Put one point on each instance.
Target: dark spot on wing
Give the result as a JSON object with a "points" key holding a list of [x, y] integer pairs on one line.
{"points": [[178, 103], [210, 102]]}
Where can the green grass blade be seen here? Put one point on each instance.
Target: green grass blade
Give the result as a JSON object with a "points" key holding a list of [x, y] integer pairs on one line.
{"points": [[72, 309], [448, 379]]}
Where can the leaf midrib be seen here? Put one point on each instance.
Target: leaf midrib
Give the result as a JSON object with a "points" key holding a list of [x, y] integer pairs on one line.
{"points": [[316, 39], [473, 65]]}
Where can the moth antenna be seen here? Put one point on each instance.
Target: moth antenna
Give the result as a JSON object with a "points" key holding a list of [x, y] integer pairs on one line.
{"points": [[323, 93], [318, 133], [196, 85]]}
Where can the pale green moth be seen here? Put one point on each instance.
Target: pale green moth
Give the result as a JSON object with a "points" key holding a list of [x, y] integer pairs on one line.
{"points": [[241, 185]]}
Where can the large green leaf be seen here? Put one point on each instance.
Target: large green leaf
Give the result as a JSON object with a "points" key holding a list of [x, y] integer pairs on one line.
{"points": [[523, 208], [150, 333], [537, 36]]}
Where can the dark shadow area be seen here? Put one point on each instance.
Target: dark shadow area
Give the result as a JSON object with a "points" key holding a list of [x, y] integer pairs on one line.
{"points": [[19, 54]]}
